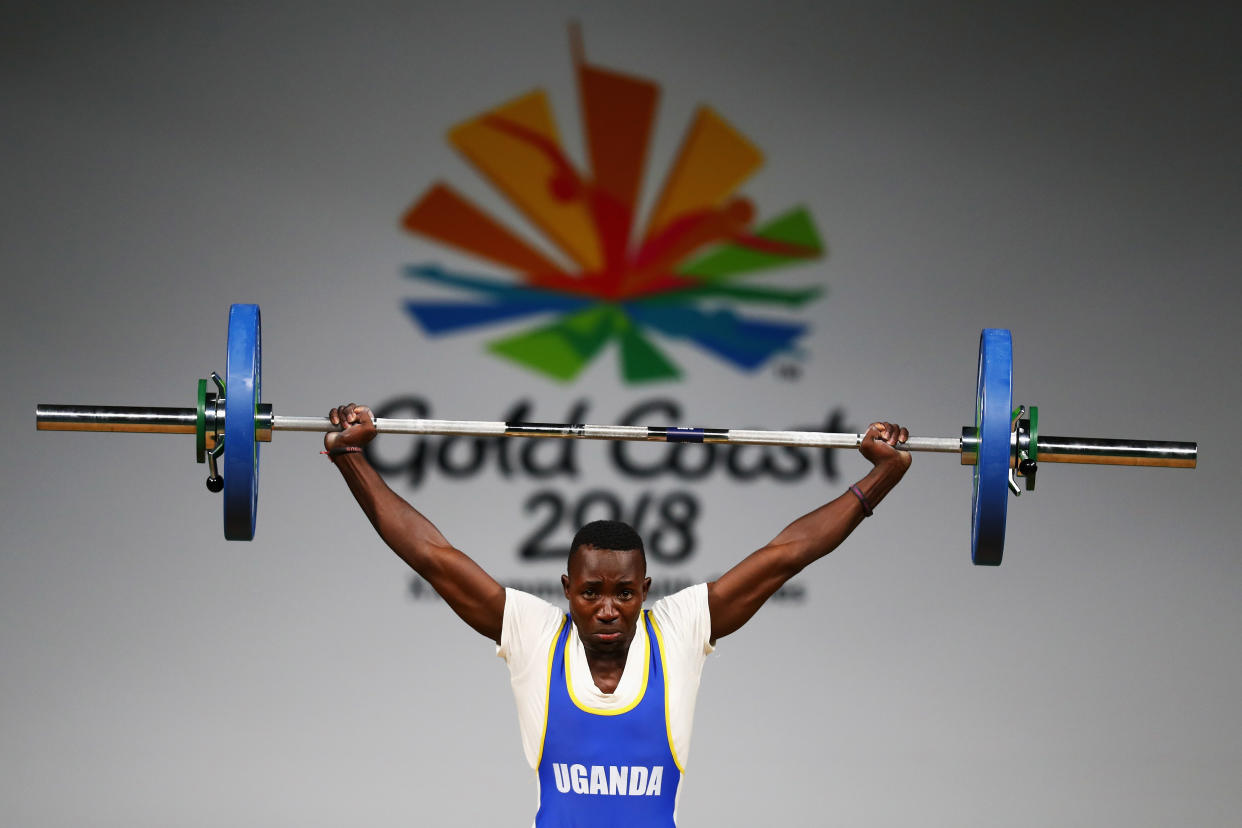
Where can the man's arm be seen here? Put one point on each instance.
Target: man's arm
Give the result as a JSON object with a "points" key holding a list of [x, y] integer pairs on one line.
{"points": [[472, 593], [741, 591]]}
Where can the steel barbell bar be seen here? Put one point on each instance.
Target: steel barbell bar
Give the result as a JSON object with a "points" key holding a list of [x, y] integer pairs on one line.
{"points": [[1051, 449]]}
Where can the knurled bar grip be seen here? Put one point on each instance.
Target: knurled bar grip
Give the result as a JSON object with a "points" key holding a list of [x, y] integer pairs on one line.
{"points": [[148, 420], [659, 434]]}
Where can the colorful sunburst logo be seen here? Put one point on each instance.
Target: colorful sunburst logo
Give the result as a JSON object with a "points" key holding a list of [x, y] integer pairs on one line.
{"points": [[680, 277]]}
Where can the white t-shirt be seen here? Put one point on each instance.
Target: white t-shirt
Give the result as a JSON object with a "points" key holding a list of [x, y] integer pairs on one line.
{"points": [[530, 627]]}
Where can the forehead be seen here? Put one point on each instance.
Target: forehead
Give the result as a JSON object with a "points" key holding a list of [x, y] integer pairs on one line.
{"points": [[591, 563]]}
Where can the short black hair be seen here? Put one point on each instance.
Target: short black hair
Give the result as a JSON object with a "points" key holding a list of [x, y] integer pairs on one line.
{"points": [[607, 534]]}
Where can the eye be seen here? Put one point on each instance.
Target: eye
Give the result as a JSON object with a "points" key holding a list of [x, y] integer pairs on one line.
{"points": [[589, 592], [627, 594]]}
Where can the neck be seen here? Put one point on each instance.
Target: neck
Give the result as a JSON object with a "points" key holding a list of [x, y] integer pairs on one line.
{"points": [[606, 669], [604, 659], [607, 666]]}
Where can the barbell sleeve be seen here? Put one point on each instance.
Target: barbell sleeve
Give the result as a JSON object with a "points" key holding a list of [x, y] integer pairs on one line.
{"points": [[134, 419], [1117, 452]]}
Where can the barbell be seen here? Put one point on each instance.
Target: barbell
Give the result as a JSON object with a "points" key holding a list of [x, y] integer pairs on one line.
{"points": [[1002, 445]]}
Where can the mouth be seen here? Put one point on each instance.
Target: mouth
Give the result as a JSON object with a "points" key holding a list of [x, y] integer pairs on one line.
{"points": [[608, 637]]}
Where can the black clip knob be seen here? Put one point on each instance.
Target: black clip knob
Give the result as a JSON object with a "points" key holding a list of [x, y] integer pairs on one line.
{"points": [[215, 483], [1027, 469]]}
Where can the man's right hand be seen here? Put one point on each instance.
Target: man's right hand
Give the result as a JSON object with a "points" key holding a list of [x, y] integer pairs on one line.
{"points": [[878, 442], [357, 427]]}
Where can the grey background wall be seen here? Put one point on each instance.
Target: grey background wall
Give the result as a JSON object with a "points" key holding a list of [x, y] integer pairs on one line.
{"points": [[1070, 173]]}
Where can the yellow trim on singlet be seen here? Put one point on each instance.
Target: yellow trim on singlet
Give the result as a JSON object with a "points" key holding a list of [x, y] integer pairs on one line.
{"points": [[668, 726], [642, 691], [547, 690]]}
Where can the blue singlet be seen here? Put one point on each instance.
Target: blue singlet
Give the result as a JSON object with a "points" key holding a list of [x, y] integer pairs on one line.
{"points": [[607, 768]]}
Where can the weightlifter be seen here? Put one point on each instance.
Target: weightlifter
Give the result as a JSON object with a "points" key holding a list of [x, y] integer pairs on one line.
{"points": [[606, 692]]}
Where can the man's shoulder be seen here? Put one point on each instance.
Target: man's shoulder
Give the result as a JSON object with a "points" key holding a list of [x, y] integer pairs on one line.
{"points": [[528, 622], [523, 607], [692, 598], [527, 600], [684, 613]]}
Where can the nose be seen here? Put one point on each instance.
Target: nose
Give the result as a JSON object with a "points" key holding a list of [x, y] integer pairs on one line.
{"points": [[608, 612]]}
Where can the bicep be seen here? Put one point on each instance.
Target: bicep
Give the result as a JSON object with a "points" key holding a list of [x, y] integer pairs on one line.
{"points": [[737, 595], [476, 597]]}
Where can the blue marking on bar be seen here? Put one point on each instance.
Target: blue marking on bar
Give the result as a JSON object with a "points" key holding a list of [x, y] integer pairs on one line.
{"points": [[683, 435]]}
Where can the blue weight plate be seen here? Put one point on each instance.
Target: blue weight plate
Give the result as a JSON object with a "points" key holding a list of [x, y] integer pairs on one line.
{"points": [[993, 409], [242, 397]]}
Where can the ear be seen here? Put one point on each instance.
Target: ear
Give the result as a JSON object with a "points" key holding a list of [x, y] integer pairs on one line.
{"points": [[646, 586], [565, 586]]}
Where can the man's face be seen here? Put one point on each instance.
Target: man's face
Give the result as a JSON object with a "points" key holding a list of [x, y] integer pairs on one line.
{"points": [[606, 589]]}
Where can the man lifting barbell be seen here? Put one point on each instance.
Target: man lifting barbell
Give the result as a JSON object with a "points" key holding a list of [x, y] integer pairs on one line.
{"points": [[590, 684], [606, 692]]}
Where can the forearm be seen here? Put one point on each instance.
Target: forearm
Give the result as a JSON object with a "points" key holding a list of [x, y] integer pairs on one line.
{"points": [[814, 535]]}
